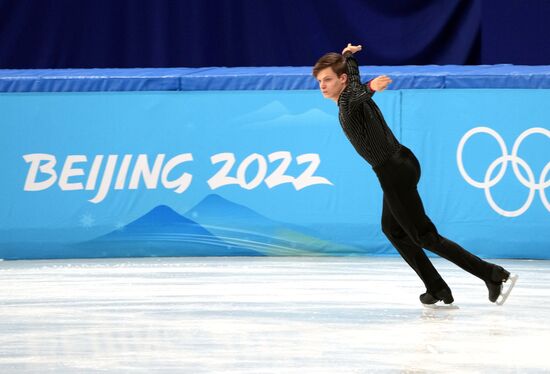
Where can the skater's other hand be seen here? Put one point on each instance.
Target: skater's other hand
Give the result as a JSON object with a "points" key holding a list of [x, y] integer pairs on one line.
{"points": [[380, 83]]}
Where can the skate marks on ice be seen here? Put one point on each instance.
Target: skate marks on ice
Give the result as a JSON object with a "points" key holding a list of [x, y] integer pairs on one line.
{"points": [[268, 315]]}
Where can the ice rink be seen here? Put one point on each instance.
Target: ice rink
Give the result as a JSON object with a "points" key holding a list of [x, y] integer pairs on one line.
{"points": [[265, 315]]}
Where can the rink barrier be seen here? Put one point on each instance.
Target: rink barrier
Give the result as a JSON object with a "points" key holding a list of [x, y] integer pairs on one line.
{"points": [[253, 162]]}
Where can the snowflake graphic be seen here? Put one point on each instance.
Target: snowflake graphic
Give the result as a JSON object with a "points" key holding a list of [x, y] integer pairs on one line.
{"points": [[87, 220]]}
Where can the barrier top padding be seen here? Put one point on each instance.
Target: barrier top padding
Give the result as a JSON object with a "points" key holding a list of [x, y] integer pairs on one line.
{"points": [[266, 78]]}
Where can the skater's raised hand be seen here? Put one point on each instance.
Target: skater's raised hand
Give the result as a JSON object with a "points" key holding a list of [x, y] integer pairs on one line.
{"points": [[352, 48]]}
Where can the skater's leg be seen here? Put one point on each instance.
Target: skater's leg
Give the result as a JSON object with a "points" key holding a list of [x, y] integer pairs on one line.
{"points": [[493, 275], [411, 215], [455, 253], [413, 254], [399, 178], [406, 206]]}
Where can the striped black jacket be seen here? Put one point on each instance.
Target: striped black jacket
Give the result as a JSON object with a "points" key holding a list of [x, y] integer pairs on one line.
{"points": [[362, 120]]}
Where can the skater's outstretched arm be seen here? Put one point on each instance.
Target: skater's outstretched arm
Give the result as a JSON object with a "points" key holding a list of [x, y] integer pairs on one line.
{"points": [[379, 83]]}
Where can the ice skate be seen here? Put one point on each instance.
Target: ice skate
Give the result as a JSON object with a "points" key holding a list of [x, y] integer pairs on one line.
{"points": [[500, 285], [433, 301]]}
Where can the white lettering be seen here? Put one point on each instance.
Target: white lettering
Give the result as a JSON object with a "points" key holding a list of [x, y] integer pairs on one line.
{"points": [[307, 178], [35, 158], [92, 178], [106, 180], [121, 179], [184, 181], [42, 174], [260, 175], [221, 178], [150, 177], [278, 176], [68, 172]]}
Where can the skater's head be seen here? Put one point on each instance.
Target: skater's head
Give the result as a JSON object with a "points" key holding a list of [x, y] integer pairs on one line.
{"points": [[330, 72]]}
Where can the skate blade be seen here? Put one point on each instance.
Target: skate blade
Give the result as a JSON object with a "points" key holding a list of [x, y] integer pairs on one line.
{"points": [[510, 283], [441, 306]]}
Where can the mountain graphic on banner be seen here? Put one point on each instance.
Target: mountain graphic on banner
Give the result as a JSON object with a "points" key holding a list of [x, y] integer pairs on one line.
{"points": [[243, 227], [163, 232]]}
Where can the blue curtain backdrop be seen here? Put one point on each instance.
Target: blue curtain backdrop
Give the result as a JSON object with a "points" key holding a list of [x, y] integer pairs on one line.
{"points": [[193, 33]]}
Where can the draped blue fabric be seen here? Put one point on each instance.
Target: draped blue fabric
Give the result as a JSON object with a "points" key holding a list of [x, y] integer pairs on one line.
{"points": [[193, 33]]}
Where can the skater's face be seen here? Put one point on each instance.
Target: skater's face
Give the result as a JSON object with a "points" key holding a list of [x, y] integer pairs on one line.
{"points": [[330, 84]]}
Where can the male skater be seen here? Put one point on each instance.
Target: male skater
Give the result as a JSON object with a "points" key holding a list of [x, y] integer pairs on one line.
{"points": [[404, 221]]}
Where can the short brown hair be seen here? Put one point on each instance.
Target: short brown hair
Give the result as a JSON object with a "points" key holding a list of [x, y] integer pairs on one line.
{"points": [[330, 60]]}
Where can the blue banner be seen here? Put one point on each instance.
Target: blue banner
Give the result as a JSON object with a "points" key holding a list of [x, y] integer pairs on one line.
{"points": [[486, 157], [262, 173]]}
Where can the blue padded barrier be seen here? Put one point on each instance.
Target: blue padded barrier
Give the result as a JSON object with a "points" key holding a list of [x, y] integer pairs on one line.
{"points": [[252, 161], [265, 78]]}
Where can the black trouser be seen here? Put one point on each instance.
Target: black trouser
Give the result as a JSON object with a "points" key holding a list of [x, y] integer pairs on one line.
{"points": [[409, 229]]}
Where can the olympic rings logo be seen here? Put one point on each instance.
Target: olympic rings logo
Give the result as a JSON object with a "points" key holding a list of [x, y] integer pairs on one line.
{"points": [[516, 161]]}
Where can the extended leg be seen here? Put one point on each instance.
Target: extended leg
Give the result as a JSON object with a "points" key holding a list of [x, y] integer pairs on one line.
{"points": [[407, 208], [413, 254]]}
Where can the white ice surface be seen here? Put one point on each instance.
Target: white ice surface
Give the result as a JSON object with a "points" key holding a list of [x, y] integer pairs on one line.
{"points": [[265, 315]]}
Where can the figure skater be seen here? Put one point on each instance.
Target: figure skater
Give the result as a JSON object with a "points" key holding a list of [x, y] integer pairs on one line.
{"points": [[404, 220]]}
